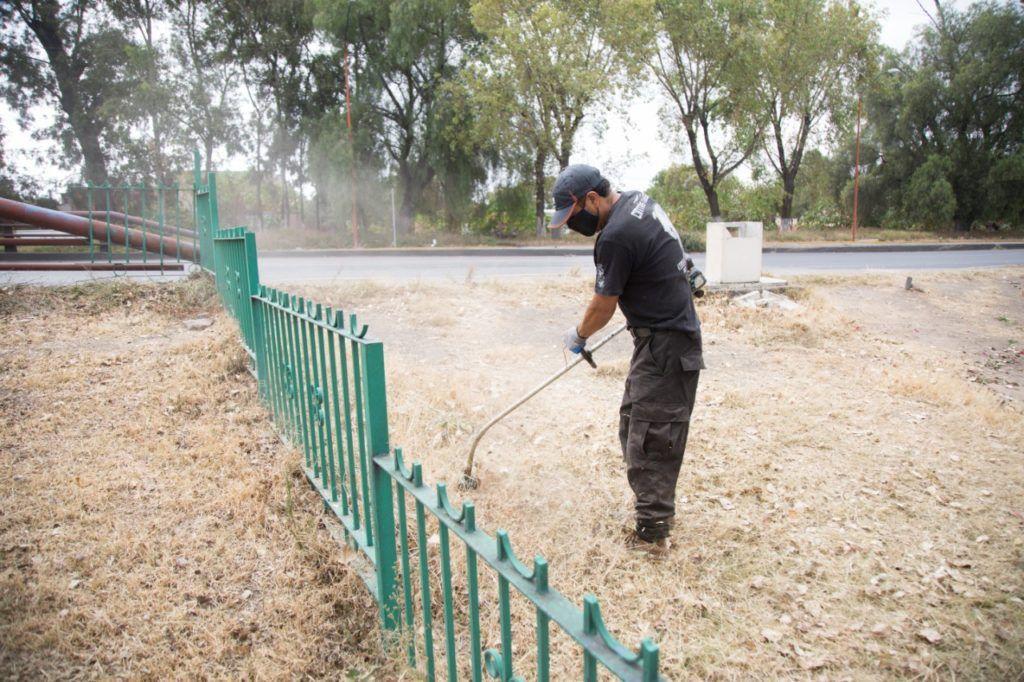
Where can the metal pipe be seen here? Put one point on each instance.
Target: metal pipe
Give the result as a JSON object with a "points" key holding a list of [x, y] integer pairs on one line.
{"points": [[136, 220], [58, 220], [468, 481], [50, 266]]}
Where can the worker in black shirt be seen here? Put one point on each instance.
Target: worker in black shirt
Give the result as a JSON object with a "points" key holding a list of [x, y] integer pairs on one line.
{"points": [[641, 267]]}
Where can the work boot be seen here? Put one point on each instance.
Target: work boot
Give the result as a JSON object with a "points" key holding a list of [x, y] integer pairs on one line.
{"points": [[651, 538], [652, 531], [656, 549]]}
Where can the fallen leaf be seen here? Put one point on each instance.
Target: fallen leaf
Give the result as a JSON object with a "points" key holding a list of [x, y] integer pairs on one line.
{"points": [[930, 635], [771, 635]]}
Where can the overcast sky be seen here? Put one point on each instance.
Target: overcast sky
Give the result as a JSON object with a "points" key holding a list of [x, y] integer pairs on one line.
{"points": [[630, 149]]}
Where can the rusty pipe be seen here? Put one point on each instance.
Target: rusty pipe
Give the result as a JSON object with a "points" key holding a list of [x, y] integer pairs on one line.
{"points": [[134, 220], [72, 224]]}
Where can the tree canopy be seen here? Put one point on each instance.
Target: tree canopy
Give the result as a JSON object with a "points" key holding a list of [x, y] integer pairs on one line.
{"points": [[466, 109]]}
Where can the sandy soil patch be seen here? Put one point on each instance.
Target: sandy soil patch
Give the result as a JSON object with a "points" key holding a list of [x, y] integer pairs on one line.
{"points": [[151, 523], [851, 501]]}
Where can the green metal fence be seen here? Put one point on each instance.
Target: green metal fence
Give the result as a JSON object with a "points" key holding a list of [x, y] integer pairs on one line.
{"points": [[137, 223], [323, 382]]}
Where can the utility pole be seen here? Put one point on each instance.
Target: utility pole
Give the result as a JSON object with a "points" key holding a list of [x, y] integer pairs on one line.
{"points": [[856, 171], [352, 151], [394, 224]]}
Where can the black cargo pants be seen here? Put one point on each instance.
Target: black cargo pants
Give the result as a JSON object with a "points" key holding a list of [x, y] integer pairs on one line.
{"points": [[655, 419]]}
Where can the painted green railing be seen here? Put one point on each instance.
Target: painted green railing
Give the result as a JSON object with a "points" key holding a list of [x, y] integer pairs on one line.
{"points": [[163, 216], [323, 381]]}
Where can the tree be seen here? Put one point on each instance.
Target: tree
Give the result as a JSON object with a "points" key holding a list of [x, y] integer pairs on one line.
{"points": [[404, 53], [85, 71], [209, 112], [703, 55], [271, 41], [957, 94], [810, 52], [543, 66]]}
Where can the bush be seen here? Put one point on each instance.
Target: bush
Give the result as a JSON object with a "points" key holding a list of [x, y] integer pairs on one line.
{"points": [[693, 241], [823, 216], [1006, 190], [929, 200]]}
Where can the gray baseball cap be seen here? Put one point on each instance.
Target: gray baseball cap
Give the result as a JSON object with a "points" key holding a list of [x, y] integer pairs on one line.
{"points": [[571, 186]]}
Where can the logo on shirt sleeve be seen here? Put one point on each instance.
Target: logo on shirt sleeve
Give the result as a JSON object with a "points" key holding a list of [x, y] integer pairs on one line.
{"points": [[600, 277], [639, 206]]}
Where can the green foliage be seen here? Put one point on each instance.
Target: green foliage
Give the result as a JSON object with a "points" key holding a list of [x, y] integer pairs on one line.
{"points": [[507, 212], [955, 94], [678, 191], [929, 200], [1005, 186]]}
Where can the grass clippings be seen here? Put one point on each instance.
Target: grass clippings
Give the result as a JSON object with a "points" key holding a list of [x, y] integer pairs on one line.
{"points": [[152, 525]]}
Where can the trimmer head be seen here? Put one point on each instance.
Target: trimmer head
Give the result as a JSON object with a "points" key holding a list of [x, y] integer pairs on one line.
{"points": [[469, 482]]}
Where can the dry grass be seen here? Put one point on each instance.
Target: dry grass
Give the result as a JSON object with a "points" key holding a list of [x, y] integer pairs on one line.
{"points": [[151, 523], [847, 497], [850, 506]]}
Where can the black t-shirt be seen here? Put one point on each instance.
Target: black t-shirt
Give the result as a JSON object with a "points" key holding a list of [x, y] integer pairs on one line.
{"points": [[640, 259]]}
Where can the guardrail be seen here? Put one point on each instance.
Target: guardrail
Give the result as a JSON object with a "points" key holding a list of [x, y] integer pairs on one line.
{"points": [[323, 381]]}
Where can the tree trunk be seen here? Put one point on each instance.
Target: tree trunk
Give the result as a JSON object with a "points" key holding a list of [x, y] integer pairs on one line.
{"points": [[788, 188], [284, 194], [85, 123], [406, 209], [539, 161], [712, 196], [88, 137], [564, 151], [208, 144], [302, 183]]}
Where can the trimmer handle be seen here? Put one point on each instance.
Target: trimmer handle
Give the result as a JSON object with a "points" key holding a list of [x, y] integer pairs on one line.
{"points": [[588, 357]]}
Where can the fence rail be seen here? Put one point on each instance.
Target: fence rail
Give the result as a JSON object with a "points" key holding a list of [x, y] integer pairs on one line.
{"points": [[136, 223], [323, 381]]}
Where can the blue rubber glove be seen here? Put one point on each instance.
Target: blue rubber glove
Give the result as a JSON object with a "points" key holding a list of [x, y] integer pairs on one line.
{"points": [[573, 341]]}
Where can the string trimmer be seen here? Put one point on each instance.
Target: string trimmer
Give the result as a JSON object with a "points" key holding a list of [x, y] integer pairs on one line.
{"points": [[470, 482]]}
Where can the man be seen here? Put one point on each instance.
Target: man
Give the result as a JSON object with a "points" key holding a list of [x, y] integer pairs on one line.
{"points": [[641, 267]]}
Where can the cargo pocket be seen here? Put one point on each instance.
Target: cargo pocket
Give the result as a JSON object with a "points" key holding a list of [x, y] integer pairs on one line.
{"points": [[693, 362], [657, 431]]}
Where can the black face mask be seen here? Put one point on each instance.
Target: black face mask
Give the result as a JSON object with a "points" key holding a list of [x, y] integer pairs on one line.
{"points": [[583, 222]]}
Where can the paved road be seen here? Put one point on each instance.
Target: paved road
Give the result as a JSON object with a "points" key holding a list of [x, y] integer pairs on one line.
{"points": [[279, 269], [311, 268]]}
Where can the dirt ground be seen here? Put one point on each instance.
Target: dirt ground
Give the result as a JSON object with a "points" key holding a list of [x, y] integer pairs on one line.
{"points": [[851, 501], [850, 506], [152, 526]]}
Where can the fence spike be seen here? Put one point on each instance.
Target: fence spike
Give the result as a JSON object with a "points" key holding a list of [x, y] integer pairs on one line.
{"points": [[593, 624], [540, 573], [445, 504], [506, 553]]}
